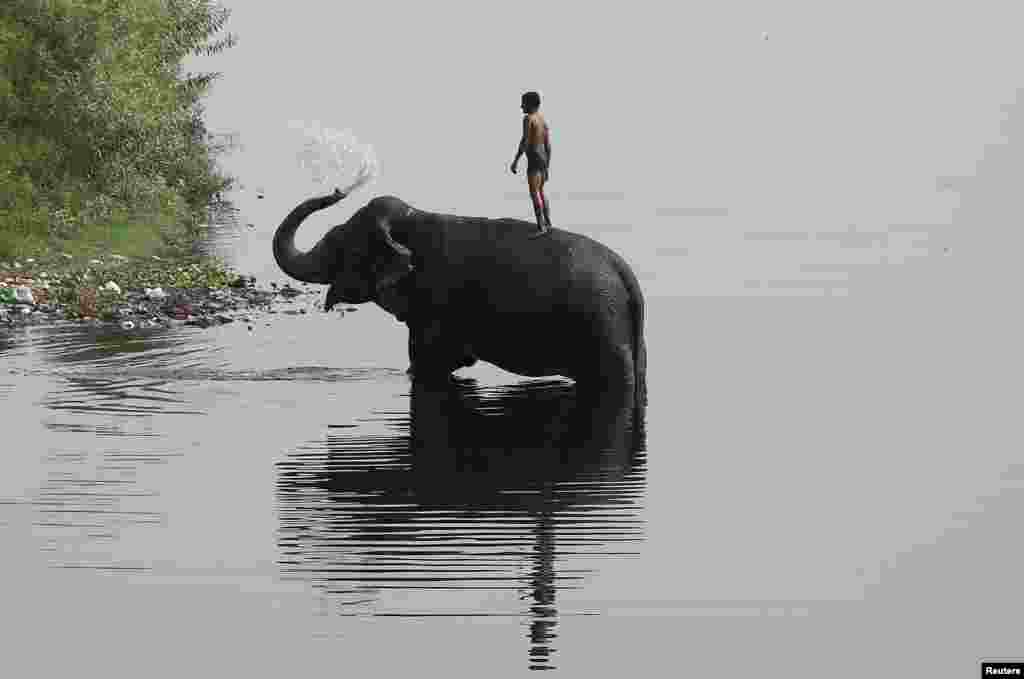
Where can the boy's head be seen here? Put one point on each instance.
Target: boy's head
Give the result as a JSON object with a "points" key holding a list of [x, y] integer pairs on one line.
{"points": [[531, 102]]}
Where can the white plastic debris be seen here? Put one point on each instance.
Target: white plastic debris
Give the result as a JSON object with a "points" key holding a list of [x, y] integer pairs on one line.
{"points": [[155, 293], [66, 255], [23, 294], [157, 258], [95, 261], [30, 260], [113, 287], [127, 325]]}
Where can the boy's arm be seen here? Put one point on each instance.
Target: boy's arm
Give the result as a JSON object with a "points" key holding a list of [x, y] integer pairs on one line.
{"points": [[522, 142], [547, 143]]}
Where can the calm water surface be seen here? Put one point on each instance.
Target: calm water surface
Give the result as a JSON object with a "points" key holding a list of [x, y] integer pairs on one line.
{"points": [[819, 481]]}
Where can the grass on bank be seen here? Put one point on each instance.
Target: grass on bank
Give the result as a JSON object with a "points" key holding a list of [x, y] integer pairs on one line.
{"points": [[73, 272], [125, 239], [29, 235]]}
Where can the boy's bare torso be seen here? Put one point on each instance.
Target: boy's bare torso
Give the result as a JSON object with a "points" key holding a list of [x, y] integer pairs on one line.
{"points": [[536, 129]]}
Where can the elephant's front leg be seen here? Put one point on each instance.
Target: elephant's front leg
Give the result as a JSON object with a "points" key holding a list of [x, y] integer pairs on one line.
{"points": [[435, 350], [412, 350]]}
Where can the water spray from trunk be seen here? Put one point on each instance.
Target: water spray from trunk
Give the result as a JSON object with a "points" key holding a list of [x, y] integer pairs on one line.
{"points": [[329, 156], [323, 155]]}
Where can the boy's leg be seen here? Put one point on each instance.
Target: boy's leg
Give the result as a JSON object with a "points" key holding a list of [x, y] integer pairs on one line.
{"points": [[535, 197], [544, 199]]}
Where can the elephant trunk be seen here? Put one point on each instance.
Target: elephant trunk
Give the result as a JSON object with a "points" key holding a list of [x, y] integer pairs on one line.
{"points": [[303, 266]]}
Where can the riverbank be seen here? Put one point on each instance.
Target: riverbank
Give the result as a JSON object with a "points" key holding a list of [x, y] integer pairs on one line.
{"points": [[138, 293]]}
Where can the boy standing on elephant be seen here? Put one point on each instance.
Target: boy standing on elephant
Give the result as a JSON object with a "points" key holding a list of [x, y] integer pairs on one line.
{"points": [[536, 144]]}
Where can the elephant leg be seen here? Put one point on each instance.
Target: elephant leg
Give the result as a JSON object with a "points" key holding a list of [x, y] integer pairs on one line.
{"points": [[467, 358], [412, 351], [611, 374], [434, 352]]}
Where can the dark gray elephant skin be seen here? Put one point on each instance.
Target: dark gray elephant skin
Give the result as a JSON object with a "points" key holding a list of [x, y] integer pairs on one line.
{"points": [[476, 288]]}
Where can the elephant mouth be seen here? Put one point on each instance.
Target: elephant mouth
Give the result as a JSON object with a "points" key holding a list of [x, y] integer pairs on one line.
{"points": [[383, 297], [337, 294]]}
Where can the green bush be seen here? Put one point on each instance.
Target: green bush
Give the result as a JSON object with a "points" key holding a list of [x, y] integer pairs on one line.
{"points": [[100, 128]]}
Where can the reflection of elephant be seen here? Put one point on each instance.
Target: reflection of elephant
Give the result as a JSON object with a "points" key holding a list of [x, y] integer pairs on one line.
{"points": [[479, 489], [525, 431], [471, 287]]}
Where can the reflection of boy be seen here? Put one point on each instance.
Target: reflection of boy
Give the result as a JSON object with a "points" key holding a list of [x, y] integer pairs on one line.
{"points": [[536, 144]]}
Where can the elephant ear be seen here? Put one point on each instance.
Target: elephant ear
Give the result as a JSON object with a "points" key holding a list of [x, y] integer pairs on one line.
{"points": [[392, 261], [395, 299]]}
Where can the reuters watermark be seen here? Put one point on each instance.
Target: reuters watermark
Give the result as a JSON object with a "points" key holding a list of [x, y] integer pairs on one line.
{"points": [[1002, 668]]}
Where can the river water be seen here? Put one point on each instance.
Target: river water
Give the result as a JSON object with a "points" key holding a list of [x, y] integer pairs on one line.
{"points": [[822, 484]]}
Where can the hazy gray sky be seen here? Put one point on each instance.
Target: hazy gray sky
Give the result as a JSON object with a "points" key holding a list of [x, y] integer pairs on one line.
{"points": [[849, 113]]}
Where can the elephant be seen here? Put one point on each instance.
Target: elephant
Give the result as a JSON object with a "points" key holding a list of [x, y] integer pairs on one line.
{"points": [[472, 288]]}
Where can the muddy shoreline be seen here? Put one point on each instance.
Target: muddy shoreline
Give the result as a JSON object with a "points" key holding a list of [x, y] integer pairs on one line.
{"points": [[139, 308]]}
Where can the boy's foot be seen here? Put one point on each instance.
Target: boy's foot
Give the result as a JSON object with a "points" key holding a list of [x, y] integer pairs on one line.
{"points": [[539, 232]]}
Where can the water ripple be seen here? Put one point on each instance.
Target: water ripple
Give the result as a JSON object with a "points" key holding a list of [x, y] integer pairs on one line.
{"points": [[113, 395], [174, 372]]}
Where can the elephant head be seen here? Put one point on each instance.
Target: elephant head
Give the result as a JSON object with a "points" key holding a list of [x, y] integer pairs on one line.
{"points": [[360, 259]]}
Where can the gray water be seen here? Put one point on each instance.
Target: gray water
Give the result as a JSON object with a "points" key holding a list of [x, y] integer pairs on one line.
{"points": [[824, 484]]}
